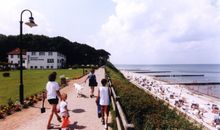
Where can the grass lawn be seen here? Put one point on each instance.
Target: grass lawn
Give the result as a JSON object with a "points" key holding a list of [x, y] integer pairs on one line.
{"points": [[34, 81]]}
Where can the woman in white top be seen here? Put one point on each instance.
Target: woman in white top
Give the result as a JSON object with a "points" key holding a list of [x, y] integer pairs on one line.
{"points": [[53, 93], [104, 101]]}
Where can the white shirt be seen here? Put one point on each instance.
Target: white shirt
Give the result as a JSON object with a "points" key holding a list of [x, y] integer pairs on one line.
{"points": [[104, 95], [52, 87], [63, 104]]}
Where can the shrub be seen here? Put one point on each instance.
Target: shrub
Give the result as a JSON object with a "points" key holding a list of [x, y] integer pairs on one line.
{"points": [[1, 114], [10, 102], [25, 104], [17, 106]]}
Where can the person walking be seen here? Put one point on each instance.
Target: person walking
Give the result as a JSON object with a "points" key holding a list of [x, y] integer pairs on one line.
{"points": [[92, 82], [104, 101], [53, 93]]}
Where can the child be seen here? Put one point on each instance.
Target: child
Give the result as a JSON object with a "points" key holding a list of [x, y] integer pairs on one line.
{"points": [[64, 111], [92, 82], [104, 101]]}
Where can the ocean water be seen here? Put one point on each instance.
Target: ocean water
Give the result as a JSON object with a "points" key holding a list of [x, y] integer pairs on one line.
{"points": [[209, 73]]}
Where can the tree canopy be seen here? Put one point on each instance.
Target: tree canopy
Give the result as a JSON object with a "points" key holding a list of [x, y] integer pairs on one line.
{"points": [[76, 53]]}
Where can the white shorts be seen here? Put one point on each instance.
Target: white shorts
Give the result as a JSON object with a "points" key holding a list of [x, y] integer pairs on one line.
{"points": [[64, 114]]}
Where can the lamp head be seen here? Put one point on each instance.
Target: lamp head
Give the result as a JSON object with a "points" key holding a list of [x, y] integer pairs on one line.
{"points": [[31, 22]]}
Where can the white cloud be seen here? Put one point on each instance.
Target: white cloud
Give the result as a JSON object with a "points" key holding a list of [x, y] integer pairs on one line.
{"points": [[149, 31], [44, 26], [10, 11], [139, 31]]}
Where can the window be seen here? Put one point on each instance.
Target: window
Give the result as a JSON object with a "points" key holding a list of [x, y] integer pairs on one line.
{"points": [[22, 61], [47, 67], [59, 54], [32, 67], [33, 53], [51, 67], [41, 67], [58, 61], [50, 60], [11, 56], [50, 53], [18, 56], [35, 67], [41, 53]]}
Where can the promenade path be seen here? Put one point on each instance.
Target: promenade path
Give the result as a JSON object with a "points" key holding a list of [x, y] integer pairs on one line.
{"points": [[83, 111]]}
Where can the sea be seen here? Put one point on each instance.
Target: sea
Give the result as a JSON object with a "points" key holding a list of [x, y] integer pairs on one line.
{"points": [[208, 74]]}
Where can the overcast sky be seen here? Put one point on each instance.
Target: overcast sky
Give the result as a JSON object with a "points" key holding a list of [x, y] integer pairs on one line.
{"points": [[133, 31]]}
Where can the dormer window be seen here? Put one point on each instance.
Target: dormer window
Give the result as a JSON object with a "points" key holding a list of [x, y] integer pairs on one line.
{"points": [[33, 53], [41, 53]]}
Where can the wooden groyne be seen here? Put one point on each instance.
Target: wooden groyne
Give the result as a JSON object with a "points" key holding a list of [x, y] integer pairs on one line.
{"points": [[207, 83], [181, 75], [152, 72]]}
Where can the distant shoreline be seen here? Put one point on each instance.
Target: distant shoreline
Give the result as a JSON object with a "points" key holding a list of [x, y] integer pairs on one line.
{"points": [[204, 76], [188, 85], [163, 90]]}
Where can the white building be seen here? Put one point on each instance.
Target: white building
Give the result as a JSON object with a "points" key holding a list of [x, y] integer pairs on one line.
{"points": [[38, 59]]}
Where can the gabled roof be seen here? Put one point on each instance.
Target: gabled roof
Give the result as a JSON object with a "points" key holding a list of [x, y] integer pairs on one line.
{"points": [[16, 52]]}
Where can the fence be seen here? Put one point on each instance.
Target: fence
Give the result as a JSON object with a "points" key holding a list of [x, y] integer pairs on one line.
{"points": [[122, 123]]}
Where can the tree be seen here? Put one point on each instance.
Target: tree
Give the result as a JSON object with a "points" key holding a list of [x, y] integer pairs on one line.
{"points": [[75, 52]]}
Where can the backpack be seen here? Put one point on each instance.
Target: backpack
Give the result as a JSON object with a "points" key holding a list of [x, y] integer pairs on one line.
{"points": [[92, 80]]}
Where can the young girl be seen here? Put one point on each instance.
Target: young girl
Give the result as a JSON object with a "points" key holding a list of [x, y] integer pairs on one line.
{"points": [[64, 110]]}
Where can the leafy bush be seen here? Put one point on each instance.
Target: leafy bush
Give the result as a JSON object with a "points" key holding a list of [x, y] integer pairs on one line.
{"points": [[143, 110]]}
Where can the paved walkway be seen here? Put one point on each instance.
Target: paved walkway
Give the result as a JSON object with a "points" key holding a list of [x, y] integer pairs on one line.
{"points": [[83, 111]]}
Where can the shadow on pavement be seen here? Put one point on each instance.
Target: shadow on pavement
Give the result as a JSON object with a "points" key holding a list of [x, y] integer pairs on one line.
{"points": [[39, 107], [75, 126], [82, 95], [78, 110]]}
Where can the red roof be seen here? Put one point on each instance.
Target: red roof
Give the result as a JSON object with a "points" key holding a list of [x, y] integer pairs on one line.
{"points": [[16, 52]]}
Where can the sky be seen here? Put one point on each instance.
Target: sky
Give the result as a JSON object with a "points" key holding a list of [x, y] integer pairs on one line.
{"points": [[133, 31]]}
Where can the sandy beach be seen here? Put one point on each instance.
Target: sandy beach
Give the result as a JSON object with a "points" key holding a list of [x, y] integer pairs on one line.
{"points": [[199, 107]]}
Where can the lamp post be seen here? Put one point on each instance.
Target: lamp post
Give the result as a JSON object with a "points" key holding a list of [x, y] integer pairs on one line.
{"points": [[30, 24], [85, 56]]}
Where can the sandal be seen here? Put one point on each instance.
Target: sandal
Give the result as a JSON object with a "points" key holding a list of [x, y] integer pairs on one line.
{"points": [[59, 119], [103, 122], [50, 127]]}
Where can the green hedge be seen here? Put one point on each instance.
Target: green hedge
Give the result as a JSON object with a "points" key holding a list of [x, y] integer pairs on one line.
{"points": [[143, 110]]}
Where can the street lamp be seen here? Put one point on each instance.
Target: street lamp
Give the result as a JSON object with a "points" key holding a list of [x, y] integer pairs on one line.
{"points": [[85, 56], [30, 24]]}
